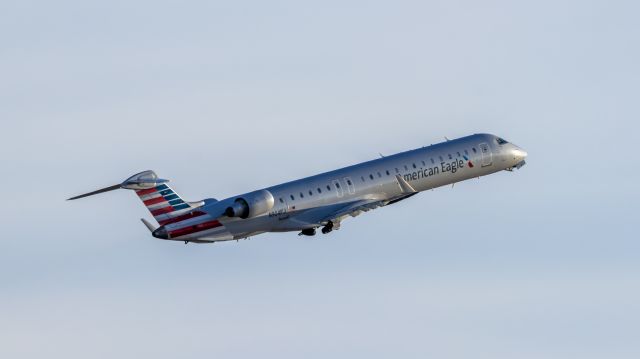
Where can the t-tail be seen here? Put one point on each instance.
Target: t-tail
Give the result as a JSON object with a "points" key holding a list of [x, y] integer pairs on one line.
{"points": [[160, 199]]}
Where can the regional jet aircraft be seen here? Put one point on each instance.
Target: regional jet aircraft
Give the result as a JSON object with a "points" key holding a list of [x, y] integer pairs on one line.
{"points": [[321, 201]]}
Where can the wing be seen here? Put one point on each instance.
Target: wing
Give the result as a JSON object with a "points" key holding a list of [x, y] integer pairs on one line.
{"points": [[358, 207], [353, 209], [336, 213]]}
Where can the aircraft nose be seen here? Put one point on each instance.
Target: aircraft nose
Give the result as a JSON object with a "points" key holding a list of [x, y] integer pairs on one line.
{"points": [[519, 153]]}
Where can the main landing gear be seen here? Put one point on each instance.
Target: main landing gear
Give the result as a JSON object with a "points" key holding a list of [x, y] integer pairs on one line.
{"points": [[312, 231], [328, 228]]}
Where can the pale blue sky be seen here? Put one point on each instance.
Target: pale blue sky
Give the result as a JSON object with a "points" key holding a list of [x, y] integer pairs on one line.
{"points": [[227, 97]]}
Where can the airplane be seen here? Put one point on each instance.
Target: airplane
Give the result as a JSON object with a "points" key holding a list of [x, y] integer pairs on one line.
{"points": [[320, 201]]}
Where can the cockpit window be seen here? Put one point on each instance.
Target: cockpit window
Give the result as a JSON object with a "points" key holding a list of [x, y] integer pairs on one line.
{"points": [[501, 141]]}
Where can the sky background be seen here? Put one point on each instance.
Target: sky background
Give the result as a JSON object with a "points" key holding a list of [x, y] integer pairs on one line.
{"points": [[227, 97]]}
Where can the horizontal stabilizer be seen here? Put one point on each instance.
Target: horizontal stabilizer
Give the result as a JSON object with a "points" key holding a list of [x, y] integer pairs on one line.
{"points": [[106, 189], [139, 181]]}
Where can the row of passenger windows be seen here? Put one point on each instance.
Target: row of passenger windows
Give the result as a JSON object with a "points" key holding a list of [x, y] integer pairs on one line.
{"points": [[319, 190], [388, 173]]}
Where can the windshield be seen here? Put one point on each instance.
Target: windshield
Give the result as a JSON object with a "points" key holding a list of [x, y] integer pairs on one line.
{"points": [[501, 141]]}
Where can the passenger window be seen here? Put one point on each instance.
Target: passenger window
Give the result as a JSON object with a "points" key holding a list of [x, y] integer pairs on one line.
{"points": [[432, 161], [349, 182], [292, 198], [450, 156], [474, 150], [301, 195], [362, 177], [414, 166], [371, 176], [319, 190], [406, 168], [423, 163], [466, 152], [397, 170], [310, 193], [337, 185], [388, 174], [458, 154], [441, 159], [281, 200], [328, 188], [379, 175]]}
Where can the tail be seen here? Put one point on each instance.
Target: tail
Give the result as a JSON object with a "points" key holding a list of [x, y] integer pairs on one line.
{"points": [[162, 201]]}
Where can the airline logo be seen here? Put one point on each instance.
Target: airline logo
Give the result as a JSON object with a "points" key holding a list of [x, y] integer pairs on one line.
{"points": [[468, 161], [170, 210], [161, 200]]}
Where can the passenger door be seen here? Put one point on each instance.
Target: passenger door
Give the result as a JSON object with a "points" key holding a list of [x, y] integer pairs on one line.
{"points": [[350, 186], [487, 156]]}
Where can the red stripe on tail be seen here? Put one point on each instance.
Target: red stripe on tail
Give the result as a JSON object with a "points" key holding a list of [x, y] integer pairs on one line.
{"points": [[143, 192], [162, 211], [153, 201], [181, 218]]}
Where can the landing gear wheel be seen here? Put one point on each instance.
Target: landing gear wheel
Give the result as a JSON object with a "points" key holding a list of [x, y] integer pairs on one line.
{"points": [[308, 232], [328, 228]]}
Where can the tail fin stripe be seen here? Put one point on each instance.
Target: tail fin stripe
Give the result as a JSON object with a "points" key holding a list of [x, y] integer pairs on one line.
{"points": [[162, 187], [170, 215], [163, 210], [150, 196], [163, 202], [181, 218], [153, 201], [157, 206], [143, 192]]}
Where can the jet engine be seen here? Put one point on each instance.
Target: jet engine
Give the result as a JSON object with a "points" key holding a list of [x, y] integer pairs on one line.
{"points": [[251, 205]]}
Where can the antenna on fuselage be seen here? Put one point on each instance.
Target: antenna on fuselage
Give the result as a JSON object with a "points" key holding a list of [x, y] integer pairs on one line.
{"points": [[447, 138]]}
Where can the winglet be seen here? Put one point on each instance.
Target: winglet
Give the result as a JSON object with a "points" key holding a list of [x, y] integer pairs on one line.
{"points": [[406, 187], [149, 225]]}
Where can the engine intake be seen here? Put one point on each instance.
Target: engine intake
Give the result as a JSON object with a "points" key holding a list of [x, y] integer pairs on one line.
{"points": [[251, 205]]}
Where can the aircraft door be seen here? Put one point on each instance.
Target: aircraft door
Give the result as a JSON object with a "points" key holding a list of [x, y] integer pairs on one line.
{"points": [[339, 190], [487, 156], [350, 186]]}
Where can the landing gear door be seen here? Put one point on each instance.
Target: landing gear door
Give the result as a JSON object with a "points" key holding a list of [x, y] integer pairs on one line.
{"points": [[487, 156]]}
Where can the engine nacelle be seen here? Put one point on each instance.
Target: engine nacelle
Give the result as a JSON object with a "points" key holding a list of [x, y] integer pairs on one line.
{"points": [[251, 205]]}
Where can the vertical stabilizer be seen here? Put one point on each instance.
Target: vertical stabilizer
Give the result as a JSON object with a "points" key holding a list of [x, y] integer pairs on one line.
{"points": [[162, 201]]}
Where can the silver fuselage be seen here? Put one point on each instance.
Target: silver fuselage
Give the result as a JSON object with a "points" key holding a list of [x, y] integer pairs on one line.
{"points": [[423, 169]]}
